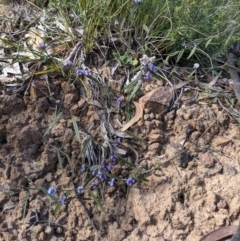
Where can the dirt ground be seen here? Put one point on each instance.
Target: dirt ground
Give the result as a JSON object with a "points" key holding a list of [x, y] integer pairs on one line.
{"points": [[194, 193]]}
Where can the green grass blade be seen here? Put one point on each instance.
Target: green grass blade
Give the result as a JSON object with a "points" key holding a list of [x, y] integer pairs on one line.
{"points": [[75, 126], [46, 192], [96, 199], [85, 145], [55, 120], [25, 205]]}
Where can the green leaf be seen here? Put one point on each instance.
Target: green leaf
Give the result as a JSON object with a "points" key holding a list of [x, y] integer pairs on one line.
{"points": [[85, 145], [55, 120], [134, 62], [208, 42], [60, 160], [96, 199], [180, 54], [70, 164], [192, 52], [75, 126], [145, 28]]}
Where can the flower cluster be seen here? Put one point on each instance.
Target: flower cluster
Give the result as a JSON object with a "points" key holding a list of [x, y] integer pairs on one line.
{"points": [[52, 191], [147, 67], [81, 72]]}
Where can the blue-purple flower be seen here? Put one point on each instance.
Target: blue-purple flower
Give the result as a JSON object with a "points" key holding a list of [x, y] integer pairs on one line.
{"points": [[41, 45], [80, 190], [101, 176], [117, 140], [87, 72], [152, 68], [109, 167], [137, 1], [62, 199], [80, 71], [111, 182], [147, 76], [130, 181], [83, 168], [113, 158], [52, 191], [120, 100], [103, 163], [94, 185]]}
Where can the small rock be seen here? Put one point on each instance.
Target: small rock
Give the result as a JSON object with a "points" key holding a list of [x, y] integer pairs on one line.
{"points": [[197, 232], [222, 204], [59, 230], [127, 227], [124, 173], [120, 234], [70, 99], [157, 100], [41, 236], [229, 170], [75, 110], [49, 177], [49, 230], [207, 159], [154, 146], [38, 89]]}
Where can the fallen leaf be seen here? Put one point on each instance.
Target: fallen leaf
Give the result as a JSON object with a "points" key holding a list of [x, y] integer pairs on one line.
{"points": [[220, 233], [138, 115]]}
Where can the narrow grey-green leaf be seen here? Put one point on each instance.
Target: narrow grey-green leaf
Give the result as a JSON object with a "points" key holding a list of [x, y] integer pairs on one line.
{"points": [[192, 52], [55, 120], [75, 126]]}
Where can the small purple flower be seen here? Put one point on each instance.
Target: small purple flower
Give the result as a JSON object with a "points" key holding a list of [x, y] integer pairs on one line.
{"points": [[117, 140], [58, 101], [120, 100], [94, 185], [103, 163], [41, 45], [137, 1], [109, 167], [116, 22], [114, 146], [147, 76], [130, 181], [69, 63], [152, 68], [79, 72], [113, 158], [87, 72], [52, 191], [101, 176], [83, 168], [111, 182], [80, 190], [62, 199]]}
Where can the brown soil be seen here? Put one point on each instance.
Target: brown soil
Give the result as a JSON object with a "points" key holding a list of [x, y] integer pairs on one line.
{"points": [[184, 201]]}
